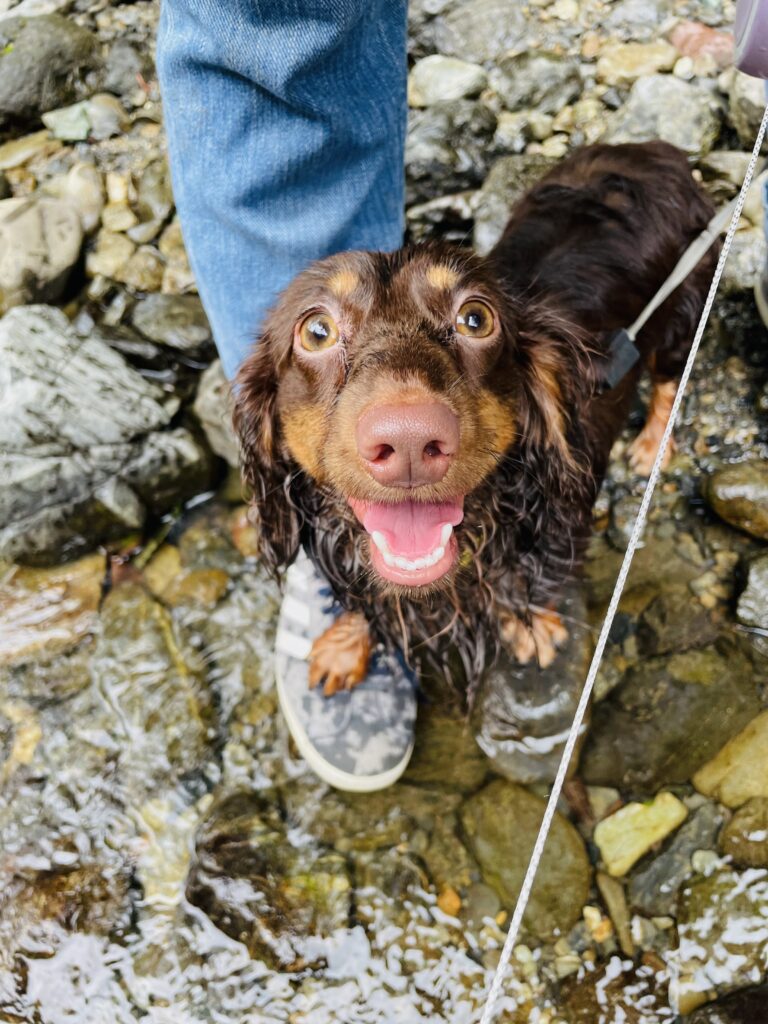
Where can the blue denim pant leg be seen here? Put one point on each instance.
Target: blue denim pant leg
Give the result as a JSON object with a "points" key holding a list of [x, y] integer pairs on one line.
{"points": [[286, 124]]}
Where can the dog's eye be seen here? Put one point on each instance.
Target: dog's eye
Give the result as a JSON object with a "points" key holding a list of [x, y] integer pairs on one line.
{"points": [[474, 319], [318, 331]]}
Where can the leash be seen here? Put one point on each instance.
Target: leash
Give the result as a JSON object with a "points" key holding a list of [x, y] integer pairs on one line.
{"points": [[489, 1011]]}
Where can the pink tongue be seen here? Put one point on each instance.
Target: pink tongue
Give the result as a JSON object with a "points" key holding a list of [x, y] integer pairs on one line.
{"points": [[412, 529]]}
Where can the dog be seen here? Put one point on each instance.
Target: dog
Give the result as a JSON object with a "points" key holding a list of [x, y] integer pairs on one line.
{"points": [[432, 426]]}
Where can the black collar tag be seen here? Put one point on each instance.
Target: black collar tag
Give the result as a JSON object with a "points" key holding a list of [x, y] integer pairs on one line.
{"points": [[622, 356]]}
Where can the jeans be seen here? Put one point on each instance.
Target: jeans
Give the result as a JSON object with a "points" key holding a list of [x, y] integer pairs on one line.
{"points": [[286, 125]]}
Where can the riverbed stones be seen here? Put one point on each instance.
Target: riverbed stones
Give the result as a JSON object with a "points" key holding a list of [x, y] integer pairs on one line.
{"points": [[176, 321], [629, 833], [82, 187], [752, 609], [665, 107], [436, 78], [99, 117], [745, 838], [624, 63], [509, 178], [500, 824], [478, 30], [44, 62], [85, 453], [749, 1006], [739, 495], [110, 255], [746, 103], [213, 408], [40, 240], [540, 80], [740, 770], [447, 148]]}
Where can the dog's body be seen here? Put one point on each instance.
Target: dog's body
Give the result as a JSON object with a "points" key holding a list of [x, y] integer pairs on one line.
{"points": [[429, 425]]}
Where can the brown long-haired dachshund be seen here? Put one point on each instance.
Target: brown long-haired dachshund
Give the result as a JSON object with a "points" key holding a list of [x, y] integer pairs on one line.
{"points": [[431, 425]]}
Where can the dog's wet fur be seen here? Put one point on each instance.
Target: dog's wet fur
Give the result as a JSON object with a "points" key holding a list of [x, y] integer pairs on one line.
{"points": [[582, 254]]}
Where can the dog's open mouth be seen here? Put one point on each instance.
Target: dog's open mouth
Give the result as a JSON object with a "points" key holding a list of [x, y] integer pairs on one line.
{"points": [[412, 543]]}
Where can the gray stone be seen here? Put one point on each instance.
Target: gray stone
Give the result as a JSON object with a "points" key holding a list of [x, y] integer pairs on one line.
{"points": [[99, 117], [213, 407], [752, 608], [510, 177], [745, 838], [479, 30], [81, 186], [177, 321], [668, 717], [123, 67], [665, 107], [546, 81], [447, 148], [739, 495], [500, 825], [746, 103], [636, 20], [40, 241], [436, 78], [653, 889], [44, 63], [84, 449]]}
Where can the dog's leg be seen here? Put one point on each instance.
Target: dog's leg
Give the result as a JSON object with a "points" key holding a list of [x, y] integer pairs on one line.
{"points": [[540, 640], [340, 654], [643, 449]]}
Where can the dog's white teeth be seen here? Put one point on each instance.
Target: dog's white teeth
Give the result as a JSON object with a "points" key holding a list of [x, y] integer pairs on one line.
{"points": [[380, 541], [445, 535], [437, 554], [412, 564]]}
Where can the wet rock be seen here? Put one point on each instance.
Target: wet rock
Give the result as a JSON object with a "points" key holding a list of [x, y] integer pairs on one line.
{"points": [[509, 178], [749, 1006], [668, 717], [500, 824], [446, 753], [653, 888], [745, 838], [478, 30], [110, 255], [740, 770], [435, 79], [177, 321], [629, 833], [81, 187], [739, 495], [259, 888], [447, 148], [99, 117], [78, 464], [695, 40], [546, 81], [624, 63], [665, 107], [616, 992], [672, 622], [45, 611], [752, 609], [213, 407], [45, 63], [746, 103], [723, 937], [40, 240]]}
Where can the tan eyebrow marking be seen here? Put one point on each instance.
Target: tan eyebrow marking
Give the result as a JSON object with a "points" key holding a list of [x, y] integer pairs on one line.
{"points": [[343, 282], [441, 276]]}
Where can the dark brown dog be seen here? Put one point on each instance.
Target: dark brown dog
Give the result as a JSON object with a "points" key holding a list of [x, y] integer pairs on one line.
{"points": [[429, 424]]}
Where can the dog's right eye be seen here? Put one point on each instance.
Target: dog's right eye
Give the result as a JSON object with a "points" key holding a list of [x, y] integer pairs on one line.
{"points": [[318, 331]]}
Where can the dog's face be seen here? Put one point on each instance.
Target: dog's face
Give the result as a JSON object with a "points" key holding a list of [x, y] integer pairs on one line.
{"points": [[395, 382]]}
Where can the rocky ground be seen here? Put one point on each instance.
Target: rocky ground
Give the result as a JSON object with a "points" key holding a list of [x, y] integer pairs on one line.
{"points": [[164, 855]]}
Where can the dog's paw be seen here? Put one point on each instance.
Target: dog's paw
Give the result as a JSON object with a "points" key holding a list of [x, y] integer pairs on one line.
{"points": [[339, 656], [541, 640], [642, 451]]}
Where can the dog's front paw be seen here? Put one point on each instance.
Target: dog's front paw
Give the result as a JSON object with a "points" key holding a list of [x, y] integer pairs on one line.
{"points": [[339, 656], [642, 451], [541, 639]]}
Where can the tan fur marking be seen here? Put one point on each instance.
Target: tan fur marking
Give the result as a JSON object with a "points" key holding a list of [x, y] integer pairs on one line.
{"points": [[304, 432], [343, 282], [497, 421], [550, 400], [441, 276], [642, 451]]}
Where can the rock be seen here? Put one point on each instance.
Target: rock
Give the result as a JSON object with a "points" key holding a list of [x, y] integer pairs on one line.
{"points": [[624, 63], [110, 255], [40, 240], [479, 30], [745, 838], [447, 148], [725, 164], [259, 888], [446, 753], [510, 177], [213, 407], [722, 937], [18, 151], [739, 495], [749, 1006], [752, 609], [79, 464], [629, 833], [144, 270], [45, 611], [746, 103], [82, 187], [740, 770], [545, 81], [99, 117], [118, 217], [615, 993], [446, 217], [435, 79], [637, 20], [177, 321], [665, 107], [746, 260], [671, 622], [653, 888], [45, 63], [155, 199], [177, 276], [692, 39], [124, 67], [500, 824], [668, 717]]}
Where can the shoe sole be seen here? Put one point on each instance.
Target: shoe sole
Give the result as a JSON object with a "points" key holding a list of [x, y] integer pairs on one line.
{"points": [[327, 772]]}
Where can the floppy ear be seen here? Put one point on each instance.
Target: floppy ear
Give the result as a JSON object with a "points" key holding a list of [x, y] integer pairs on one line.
{"points": [[266, 471]]}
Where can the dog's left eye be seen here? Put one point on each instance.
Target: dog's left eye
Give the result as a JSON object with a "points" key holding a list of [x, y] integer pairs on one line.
{"points": [[318, 331], [474, 319]]}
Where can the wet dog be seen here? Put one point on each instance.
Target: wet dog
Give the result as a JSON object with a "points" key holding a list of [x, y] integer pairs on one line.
{"points": [[432, 425]]}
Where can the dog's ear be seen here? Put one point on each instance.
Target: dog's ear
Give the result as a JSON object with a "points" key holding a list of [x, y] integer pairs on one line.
{"points": [[266, 470]]}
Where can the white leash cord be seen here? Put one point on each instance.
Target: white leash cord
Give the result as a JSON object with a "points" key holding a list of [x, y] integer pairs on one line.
{"points": [[489, 1011]]}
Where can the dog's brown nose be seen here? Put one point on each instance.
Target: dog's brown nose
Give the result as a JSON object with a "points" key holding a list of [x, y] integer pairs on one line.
{"points": [[407, 445]]}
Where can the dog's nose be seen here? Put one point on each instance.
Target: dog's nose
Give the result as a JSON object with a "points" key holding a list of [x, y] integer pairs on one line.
{"points": [[407, 445]]}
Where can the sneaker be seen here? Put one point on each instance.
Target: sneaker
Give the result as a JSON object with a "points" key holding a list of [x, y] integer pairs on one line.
{"points": [[761, 295], [358, 740]]}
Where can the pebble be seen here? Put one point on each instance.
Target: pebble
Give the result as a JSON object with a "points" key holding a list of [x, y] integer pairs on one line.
{"points": [[740, 770], [436, 78], [143, 271], [752, 609], [739, 495], [110, 254], [745, 837], [634, 829], [624, 63]]}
